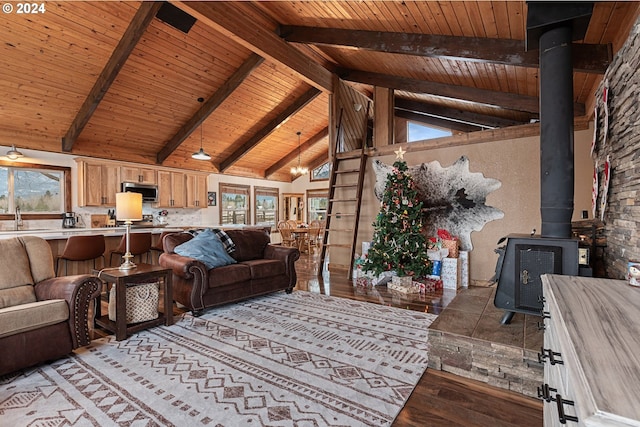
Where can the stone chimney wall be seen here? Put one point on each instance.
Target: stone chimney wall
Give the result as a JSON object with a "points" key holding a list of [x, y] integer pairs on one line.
{"points": [[622, 214]]}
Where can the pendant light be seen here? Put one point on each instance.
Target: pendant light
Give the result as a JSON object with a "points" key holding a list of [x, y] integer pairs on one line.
{"points": [[13, 153], [201, 155], [299, 170]]}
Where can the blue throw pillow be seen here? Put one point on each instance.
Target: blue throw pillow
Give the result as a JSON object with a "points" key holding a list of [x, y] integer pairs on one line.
{"points": [[206, 247]]}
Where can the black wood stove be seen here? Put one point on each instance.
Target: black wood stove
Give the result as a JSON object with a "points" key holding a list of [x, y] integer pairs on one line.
{"points": [[522, 261], [551, 28]]}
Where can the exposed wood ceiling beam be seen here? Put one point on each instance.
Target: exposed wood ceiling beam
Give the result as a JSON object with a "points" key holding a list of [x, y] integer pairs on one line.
{"points": [[587, 58], [320, 159], [138, 25], [480, 120], [291, 110], [505, 100], [437, 121], [210, 105], [232, 20], [483, 96], [294, 154]]}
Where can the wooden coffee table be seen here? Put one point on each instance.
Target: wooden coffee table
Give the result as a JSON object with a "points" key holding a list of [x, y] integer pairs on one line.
{"points": [[142, 273]]}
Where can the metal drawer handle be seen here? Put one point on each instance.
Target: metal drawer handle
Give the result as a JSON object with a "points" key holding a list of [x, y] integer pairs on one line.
{"points": [[544, 392], [547, 353], [561, 415]]}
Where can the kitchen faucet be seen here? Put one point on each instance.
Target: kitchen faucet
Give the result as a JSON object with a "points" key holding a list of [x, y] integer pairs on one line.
{"points": [[18, 218]]}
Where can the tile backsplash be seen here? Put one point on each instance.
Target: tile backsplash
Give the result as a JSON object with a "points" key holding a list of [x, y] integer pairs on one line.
{"points": [[174, 218]]}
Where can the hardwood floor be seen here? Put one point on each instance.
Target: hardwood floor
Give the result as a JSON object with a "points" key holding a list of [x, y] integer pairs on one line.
{"points": [[440, 398]]}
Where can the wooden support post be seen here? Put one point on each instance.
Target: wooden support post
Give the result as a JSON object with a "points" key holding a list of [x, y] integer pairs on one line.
{"points": [[382, 116]]}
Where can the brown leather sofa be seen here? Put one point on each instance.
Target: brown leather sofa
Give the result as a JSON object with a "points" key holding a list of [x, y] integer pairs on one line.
{"points": [[42, 317], [261, 268]]}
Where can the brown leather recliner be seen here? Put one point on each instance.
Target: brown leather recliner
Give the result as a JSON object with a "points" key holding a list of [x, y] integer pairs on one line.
{"points": [[42, 317], [261, 268]]}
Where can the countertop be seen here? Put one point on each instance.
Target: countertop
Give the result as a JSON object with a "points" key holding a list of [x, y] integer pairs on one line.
{"points": [[64, 233], [598, 320]]}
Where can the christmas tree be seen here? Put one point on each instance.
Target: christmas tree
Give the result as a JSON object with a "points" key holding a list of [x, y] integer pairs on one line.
{"points": [[398, 244]]}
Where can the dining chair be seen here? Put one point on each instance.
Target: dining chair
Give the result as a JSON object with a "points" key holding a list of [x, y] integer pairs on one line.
{"points": [[313, 233], [286, 233]]}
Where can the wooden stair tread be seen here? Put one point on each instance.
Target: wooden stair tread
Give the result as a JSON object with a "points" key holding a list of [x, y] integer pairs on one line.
{"points": [[349, 155], [342, 214], [349, 171], [344, 200], [345, 185]]}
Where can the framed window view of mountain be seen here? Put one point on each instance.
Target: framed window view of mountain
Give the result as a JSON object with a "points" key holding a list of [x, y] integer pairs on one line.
{"points": [[42, 190]]}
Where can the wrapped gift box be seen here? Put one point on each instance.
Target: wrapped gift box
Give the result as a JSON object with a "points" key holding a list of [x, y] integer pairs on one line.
{"points": [[411, 288], [365, 248], [363, 281], [464, 269], [450, 273]]}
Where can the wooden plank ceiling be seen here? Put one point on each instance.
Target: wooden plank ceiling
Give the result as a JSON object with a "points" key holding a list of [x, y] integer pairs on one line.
{"points": [[113, 80]]}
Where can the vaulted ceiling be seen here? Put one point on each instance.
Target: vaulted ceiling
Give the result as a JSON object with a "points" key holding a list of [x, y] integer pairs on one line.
{"points": [[150, 82]]}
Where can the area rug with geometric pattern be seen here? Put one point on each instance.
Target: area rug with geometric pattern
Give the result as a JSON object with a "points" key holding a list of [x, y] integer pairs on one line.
{"points": [[300, 359]]}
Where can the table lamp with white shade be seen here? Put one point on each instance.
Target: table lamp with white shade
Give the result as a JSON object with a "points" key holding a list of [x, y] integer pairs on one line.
{"points": [[128, 209]]}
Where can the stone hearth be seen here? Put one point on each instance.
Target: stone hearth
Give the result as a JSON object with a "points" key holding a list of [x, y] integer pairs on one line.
{"points": [[468, 340]]}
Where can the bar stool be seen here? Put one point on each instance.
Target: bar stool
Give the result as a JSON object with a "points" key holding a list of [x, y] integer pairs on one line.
{"points": [[82, 248], [159, 247], [139, 244]]}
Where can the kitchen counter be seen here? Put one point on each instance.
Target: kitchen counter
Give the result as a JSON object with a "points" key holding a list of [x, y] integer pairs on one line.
{"points": [[57, 240], [64, 233]]}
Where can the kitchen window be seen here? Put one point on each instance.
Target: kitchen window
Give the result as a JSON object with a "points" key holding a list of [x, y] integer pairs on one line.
{"points": [[40, 191]]}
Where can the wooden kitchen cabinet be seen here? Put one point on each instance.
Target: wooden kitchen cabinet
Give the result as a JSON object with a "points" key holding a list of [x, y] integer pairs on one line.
{"points": [[98, 183], [171, 189], [196, 191], [137, 174]]}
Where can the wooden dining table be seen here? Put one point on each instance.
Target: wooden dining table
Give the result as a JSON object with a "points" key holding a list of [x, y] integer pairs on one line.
{"points": [[300, 234]]}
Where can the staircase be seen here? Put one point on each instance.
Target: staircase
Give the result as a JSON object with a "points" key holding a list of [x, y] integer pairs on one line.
{"points": [[343, 210]]}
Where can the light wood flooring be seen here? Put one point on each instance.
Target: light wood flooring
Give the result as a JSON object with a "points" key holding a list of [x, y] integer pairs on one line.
{"points": [[441, 398]]}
